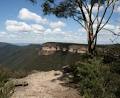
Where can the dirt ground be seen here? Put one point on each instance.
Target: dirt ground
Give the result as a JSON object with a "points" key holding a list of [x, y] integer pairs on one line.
{"points": [[44, 85]]}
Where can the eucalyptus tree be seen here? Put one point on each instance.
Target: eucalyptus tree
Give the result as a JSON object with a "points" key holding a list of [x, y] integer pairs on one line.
{"points": [[92, 15]]}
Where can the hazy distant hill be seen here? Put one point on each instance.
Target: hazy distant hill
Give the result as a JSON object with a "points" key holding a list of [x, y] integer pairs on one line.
{"points": [[27, 57], [16, 56]]}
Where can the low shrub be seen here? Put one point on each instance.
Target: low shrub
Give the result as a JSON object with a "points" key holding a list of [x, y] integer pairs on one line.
{"points": [[96, 79], [6, 86], [7, 90]]}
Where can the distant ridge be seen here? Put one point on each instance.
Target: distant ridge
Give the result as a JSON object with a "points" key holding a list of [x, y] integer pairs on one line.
{"points": [[26, 44], [27, 57], [64, 43]]}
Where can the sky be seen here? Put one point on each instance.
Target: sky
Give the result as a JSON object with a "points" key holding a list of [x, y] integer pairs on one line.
{"points": [[24, 22]]}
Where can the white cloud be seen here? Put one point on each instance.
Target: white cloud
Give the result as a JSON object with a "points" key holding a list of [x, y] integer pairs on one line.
{"points": [[40, 32], [48, 31], [7, 35], [12, 36], [107, 26], [54, 31], [57, 30], [81, 30], [37, 28], [55, 25], [15, 26], [118, 9], [110, 26], [25, 14], [94, 12], [95, 8], [2, 34]]}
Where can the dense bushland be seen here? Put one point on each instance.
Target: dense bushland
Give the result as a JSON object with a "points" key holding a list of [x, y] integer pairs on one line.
{"points": [[95, 78], [7, 86], [98, 77]]}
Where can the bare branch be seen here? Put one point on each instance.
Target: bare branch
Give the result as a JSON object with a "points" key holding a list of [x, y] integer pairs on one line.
{"points": [[96, 17], [112, 32], [83, 13], [80, 6], [85, 5], [113, 40], [108, 18], [98, 26], [79, 22]]}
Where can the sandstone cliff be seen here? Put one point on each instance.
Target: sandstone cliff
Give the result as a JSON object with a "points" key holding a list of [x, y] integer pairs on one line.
{"points": [[52, 47]]}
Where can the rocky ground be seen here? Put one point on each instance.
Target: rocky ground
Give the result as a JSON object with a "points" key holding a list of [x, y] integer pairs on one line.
{"points": [[44, 85]]}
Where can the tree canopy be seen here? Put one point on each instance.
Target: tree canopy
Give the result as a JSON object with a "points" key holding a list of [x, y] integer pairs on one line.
{"points": [[82, 11]]}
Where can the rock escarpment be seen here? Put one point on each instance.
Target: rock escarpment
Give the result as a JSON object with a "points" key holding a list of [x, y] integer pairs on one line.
{"points": [[45, 85], [52, 47]]}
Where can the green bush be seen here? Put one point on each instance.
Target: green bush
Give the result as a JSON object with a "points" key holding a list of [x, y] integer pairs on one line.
{"points": [[6, 86], [7, 90], [96, 79]]}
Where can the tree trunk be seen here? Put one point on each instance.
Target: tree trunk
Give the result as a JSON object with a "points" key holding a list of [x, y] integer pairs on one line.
{"points": [[91, 44]]}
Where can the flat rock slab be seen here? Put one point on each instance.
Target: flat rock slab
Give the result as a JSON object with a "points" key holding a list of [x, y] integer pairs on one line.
{"points": [[41, 85]]}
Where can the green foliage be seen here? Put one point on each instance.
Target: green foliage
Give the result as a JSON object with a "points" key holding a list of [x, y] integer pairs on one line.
{"points": [[7, 90], [33, 1], [3, 76], [68, 8], [96, 79], [26, 58], [6, 87]]}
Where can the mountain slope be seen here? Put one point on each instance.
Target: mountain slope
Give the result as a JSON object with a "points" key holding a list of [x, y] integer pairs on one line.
{"points": [[28, 58]]}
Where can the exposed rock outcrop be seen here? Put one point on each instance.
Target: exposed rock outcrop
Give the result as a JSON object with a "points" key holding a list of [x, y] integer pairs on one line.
{"points": [[45, 85], [52, 47]]}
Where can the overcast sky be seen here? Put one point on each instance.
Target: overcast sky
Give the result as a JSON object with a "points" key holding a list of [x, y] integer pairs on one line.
{"points": [[23, 22]]}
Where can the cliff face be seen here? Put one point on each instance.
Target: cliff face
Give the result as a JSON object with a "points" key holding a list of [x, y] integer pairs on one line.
{"points": [[52, 47]]}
